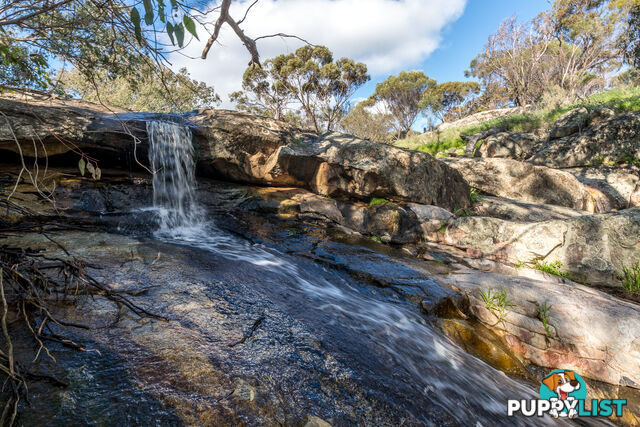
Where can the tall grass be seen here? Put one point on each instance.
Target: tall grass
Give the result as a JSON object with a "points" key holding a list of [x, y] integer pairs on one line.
{"points": [[620, 100]]}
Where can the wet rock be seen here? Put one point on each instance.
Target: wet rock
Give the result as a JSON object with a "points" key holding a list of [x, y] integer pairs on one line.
{"points": [[615, 140], [510, 145], [569, 123], [524, 182], [484, 344], [586, 330]]}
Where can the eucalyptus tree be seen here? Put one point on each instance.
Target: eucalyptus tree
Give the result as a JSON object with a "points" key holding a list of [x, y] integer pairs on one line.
{"points": [[309, 80], [402, 97]]}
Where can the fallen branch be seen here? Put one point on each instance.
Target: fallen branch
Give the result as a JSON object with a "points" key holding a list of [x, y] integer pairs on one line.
{"points": [[249, 333]]}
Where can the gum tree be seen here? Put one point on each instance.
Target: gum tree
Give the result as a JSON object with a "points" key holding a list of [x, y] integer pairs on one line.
{"points": [[401, 96]]}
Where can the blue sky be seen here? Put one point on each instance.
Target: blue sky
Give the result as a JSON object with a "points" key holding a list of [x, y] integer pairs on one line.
{"points": [[439, 37], [464, 38]]}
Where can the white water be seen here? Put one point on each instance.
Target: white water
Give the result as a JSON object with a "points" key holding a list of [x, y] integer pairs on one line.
{"points": [[455, 379], [171, 156]]}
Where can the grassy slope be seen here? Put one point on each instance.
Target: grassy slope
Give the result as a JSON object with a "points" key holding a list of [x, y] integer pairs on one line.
{"points": [[619, 100]]}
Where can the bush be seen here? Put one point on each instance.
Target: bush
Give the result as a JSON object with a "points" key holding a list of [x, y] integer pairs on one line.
{"points": [[620, 100]]}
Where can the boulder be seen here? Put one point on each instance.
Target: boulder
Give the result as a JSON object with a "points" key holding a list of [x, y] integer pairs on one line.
{"points": [[600, 114], [243, 148], [480, 117], [513, 210], [511, 145], [594, 333], [621, 185], [569, 123], [525, 182], [616, 140], [593, 249], [46, 127], [234, 146], [472, 140], [430, 218]]}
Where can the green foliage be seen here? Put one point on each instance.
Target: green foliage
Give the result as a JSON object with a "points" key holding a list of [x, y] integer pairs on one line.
{"points": [[309, 77], [572, 46], [496, 303], [297, 141], [461, 212], [264, 91], [377, 201], [631, 278], [620, 100], [369, 125], [543, 315], [450, 99], [376, 239], [474, 195], [175, 29], [552, 268], [629, 39], [158, 91], [402, 97]]}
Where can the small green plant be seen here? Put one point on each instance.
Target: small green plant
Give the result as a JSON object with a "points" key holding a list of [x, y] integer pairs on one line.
{"points": [[376, 239], [496, 303], [629, 158], [631, 279], [474, 195], [462, 212], [326, 196], [552, 268], [297, 141], [518, 265], [377, 201], [543, 315]]}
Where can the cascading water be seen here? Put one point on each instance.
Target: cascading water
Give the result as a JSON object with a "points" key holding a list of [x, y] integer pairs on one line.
{"points": [[171, 156], [451, 378]]}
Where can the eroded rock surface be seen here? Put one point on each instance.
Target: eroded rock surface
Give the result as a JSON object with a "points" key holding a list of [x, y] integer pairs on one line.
{"points": [[239, 148], [615, 140], [513, 210], [592, 248], [510, 145], [525, 182]]}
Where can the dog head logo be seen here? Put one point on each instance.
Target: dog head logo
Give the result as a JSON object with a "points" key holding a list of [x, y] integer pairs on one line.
{"points": [[565, 387]]}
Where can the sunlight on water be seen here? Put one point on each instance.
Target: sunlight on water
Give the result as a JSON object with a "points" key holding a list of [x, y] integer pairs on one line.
{"points": [[440, 367]]}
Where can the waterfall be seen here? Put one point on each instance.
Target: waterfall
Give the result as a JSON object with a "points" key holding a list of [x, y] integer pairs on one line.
{"points": [[171, 157]]}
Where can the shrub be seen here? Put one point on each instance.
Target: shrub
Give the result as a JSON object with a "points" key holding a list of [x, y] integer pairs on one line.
{"points": [[552, 268], [496, 303], [631, 278]]}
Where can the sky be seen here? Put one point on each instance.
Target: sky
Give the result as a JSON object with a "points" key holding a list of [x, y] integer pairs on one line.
{"points": [[439, 37]]}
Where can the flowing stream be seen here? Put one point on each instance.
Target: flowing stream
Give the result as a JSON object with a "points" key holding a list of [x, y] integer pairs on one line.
{"points": [[466, 387], [259, 334]]}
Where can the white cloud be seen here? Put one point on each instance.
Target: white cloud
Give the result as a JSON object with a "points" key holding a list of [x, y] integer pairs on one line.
{"points": [[387, 35]]}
